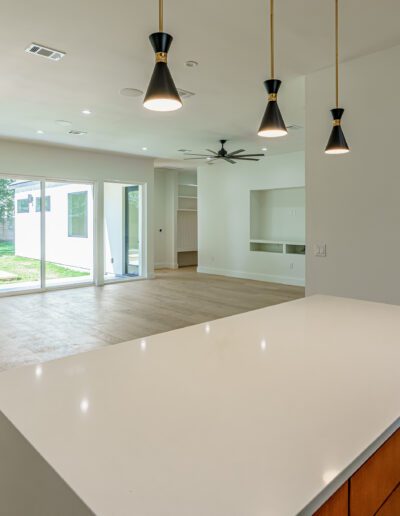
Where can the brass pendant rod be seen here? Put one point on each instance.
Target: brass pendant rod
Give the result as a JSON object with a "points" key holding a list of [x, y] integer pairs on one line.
{"points": [[272, 43], [160, 16], [337, 50]]}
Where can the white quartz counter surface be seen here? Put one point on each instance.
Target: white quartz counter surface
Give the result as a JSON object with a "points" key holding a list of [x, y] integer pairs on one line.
{"points": [[253, 415]]}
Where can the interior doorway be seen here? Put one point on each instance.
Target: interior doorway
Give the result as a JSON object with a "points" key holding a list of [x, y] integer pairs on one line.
{"points": [[123, 235]]}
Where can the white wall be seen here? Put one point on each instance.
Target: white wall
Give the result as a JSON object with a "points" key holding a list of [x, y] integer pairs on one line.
{"points": [[224, 218], [278, 215], [46, 161], [353, 200]]}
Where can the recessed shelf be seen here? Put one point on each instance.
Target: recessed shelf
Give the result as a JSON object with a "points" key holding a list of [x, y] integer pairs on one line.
{"points": [[295, 249], [185, 209], [270, 247], [276, 246], [187, 197]]}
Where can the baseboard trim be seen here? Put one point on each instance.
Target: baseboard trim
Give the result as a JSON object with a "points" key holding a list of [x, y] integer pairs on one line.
{"points": [[165, 265], [271, 278]]}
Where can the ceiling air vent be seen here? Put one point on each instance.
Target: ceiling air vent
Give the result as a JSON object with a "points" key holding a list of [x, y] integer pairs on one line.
{"points": [[48, 53], [184, 94]]}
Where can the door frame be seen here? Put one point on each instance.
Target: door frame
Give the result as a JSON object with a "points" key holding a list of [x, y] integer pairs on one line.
{"points": [[127, 189]]}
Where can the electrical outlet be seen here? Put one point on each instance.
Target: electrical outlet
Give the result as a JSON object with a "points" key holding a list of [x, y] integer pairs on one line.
{"points": [[291, 265]]}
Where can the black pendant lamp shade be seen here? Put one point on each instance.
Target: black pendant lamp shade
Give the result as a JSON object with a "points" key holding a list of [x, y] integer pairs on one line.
{"points": [[161, 94], [337, 142], [272, 124]]}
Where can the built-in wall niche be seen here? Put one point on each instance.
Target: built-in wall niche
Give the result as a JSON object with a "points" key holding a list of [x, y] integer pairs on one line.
{"points": [[277, 220]]}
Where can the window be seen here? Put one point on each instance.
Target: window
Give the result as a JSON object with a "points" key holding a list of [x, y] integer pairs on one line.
{"points": [[39, 203], [78, 214], [23, 206]]}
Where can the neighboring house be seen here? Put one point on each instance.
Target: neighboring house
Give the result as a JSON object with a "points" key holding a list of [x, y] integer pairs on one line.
{"points": [[69, 222]]}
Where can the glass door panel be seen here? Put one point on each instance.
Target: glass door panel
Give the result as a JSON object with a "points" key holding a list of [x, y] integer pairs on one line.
{"points": [[20, 235], [69, 233], [132, 248]]}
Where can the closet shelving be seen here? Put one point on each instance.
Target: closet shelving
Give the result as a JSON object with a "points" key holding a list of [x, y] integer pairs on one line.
{"points": [[187, 224]]}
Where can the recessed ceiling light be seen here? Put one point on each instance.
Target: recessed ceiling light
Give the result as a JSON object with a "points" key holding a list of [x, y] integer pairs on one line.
{"points": [[64, 123], [144, 148], [39, 131], [191, 64], [264, 149], [131, 92], [86, 112], [208, 159], [76, 132]]}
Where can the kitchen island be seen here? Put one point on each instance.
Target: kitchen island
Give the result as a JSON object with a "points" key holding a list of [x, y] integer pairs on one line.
{"points": [[266, 413]]}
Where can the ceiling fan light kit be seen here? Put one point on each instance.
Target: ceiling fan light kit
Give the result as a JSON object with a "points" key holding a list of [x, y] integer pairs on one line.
{"points": [[161, 94]]}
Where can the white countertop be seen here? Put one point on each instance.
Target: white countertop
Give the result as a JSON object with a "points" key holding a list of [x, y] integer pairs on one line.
{"points": [[251, 415]]}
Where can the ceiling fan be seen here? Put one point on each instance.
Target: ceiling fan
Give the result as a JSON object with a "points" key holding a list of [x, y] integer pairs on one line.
{"points": [[223, 154]]}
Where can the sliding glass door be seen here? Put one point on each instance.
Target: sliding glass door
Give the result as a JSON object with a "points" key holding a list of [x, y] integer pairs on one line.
{"points": [[20, 235], [69, 233], [46, 234], [122, 230]]}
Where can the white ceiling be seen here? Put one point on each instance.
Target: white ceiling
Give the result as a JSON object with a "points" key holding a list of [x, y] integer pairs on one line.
{"points": [[108, 49]]}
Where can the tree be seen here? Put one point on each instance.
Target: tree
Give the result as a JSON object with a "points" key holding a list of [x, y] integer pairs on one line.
{"points": [[6, 200]]}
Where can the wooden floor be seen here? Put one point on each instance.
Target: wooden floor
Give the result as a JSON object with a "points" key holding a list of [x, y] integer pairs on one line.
{"points": [[44, 326]]}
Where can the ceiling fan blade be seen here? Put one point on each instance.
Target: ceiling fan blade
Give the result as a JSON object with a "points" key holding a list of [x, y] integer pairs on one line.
{"points": [[186, 159], [201, 155], [229, 160], [247, 159], [235, 152], [248, 155], [212, 152]]}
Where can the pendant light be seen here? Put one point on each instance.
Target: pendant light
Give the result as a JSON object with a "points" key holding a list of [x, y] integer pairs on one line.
{"points": [[161, 94], [337, 142], [272, 125]]}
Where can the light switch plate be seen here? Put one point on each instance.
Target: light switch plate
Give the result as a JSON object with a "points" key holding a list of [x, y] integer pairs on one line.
{"points": [[320, 250]]}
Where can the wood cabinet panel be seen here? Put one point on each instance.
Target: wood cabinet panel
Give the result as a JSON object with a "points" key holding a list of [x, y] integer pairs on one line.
{"points": [[376, 479], [337, 505], [392, 505]]}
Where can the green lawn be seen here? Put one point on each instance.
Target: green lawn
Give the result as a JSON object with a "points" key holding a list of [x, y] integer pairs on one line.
{"points": [[28, 269]]}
